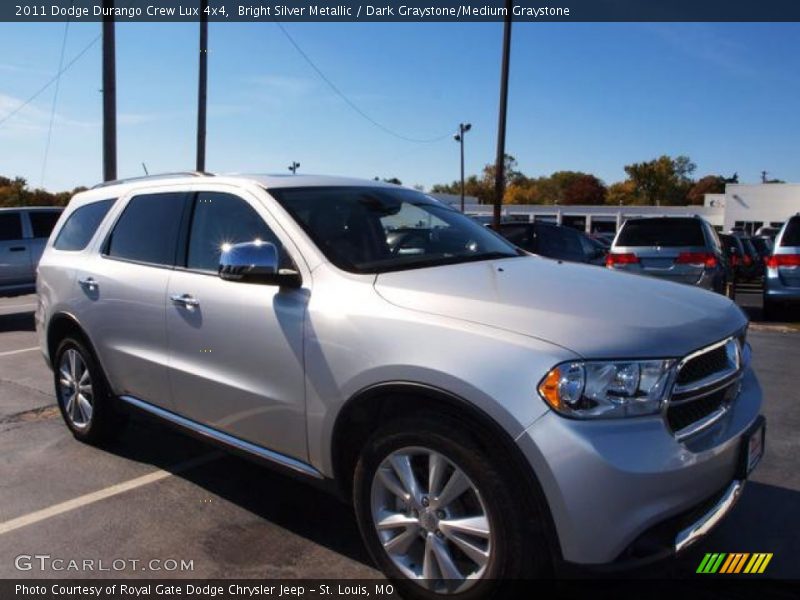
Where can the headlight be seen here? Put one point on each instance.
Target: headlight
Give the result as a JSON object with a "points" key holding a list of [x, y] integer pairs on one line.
{"points": [[594, 389]]}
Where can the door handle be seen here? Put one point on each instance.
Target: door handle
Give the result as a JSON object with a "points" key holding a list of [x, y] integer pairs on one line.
{"points": [[187, 300], [17, 249], [89, 283]]}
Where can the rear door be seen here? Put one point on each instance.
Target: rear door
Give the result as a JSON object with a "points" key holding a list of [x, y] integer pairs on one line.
{"points": [[123, 290], [15, 253], [789, 244], [664, 247]]}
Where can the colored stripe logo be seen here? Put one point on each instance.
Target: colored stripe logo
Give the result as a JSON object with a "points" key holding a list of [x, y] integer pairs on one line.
{"points": [[735, 562]]}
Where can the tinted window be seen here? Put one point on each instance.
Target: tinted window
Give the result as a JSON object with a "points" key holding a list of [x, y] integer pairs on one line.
{"points": [[148, 229], [516, 234], [81, 225], [10, 226], [222, 219], [43, 221], [376, 229], [558, 242], [791, 235], [661, 232]]}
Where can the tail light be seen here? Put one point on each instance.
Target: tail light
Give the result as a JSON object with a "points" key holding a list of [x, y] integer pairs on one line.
{"points": [[621, 258], [734, 261], [783, 260], [747, 260], [700, 259]]}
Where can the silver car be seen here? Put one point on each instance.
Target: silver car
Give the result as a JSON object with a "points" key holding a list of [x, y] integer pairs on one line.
{"points": [[680, 249], [23, 235], [782, 276], [489, 413]]}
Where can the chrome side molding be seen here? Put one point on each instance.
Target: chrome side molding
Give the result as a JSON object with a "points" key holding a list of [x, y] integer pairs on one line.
{"points": [[709, 520], [224, 438]]}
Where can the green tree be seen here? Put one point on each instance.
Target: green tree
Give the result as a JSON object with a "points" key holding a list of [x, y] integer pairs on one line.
{"points": [[15, 192], [664, 180]]}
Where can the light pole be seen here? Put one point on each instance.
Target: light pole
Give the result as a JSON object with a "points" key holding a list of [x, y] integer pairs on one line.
{"points": [[202, 89], [293, 167], [499, 175], [459, 137]]}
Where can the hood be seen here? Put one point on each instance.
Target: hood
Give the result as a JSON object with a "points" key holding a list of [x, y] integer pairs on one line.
{"points": [[593, 311]]}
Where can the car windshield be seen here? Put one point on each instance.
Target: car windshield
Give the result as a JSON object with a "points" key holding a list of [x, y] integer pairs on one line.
{"points": [[661, 232], [377, 229]]}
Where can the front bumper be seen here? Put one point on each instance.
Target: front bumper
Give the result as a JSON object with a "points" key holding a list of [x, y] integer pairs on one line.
{"points": [[608, 483]]}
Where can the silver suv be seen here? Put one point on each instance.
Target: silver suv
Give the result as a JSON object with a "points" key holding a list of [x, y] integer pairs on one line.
{"points": [[23, 235], [489, 413], [782, 277]]}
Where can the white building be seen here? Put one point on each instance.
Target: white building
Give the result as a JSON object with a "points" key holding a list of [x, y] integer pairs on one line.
{"points": [[749, 206]]}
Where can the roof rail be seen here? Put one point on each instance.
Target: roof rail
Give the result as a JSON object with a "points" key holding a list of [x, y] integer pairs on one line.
{"points": [[153, 176]]}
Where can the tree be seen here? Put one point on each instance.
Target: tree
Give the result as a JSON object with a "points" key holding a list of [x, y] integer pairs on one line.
{"points": [[710, 184], [664, 180], [623, 193], [584, 189], [15, 192]]}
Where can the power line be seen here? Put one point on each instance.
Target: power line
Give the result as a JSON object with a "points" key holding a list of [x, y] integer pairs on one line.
{"points": [[55, 101], [55, 78], [349, 102]]}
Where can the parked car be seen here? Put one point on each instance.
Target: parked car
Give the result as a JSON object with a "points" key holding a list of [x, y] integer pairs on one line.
{"points": [[487, 412], [763, 246], [23, 233], [680, 249], [734, 252], [554, 241], [604, 238], [782, 278], [767, 232], [752, 261]]}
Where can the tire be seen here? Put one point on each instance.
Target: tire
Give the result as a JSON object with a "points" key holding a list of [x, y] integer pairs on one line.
{"points": [[91, 415], [508, 543]]}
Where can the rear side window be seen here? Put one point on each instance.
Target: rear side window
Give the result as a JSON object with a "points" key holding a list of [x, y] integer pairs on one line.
{"points": [[10, 226], [558, 242], [661, 232], [148, 229], [791, 235], [81, 225], [516, 234], [43, 221]]}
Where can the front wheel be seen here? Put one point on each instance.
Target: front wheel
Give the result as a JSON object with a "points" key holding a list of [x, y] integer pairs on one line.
{"points": [[440, 516]]}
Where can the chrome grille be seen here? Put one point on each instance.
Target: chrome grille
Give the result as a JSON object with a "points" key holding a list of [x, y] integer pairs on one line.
{"points": [[706, 383]]}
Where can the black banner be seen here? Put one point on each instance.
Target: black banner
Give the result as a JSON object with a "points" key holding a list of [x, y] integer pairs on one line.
{"points": [[709, 587], [410, 11]]}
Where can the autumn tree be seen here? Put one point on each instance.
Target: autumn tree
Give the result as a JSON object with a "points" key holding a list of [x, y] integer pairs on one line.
{"points": [[664, 180], [710, 184]]}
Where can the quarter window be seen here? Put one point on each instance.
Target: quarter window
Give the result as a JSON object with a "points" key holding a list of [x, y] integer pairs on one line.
{"points": [[81, 226], [148, 229], [220, 219], [10, 226]]}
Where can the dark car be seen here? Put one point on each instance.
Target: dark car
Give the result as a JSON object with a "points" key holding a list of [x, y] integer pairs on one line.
{"points": [[680, 249], [753, 261], [763, 246], [734, 251], [554, 241]]}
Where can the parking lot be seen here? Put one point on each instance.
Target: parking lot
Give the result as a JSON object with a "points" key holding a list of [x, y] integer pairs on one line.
{"points": [[156, 494]]}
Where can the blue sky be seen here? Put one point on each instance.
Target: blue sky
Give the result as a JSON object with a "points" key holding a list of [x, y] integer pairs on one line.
{"points": [[590, 97]]}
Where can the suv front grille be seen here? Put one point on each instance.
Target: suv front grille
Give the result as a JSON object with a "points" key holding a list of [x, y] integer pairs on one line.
{"points": [[702, 366], [706, 383]]}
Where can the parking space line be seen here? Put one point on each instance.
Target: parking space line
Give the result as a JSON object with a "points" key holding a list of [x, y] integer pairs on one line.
{"points": [[114, 490], [10, 352]]}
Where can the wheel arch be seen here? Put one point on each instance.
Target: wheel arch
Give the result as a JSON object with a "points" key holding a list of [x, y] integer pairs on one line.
{"points": [[367, 409]]}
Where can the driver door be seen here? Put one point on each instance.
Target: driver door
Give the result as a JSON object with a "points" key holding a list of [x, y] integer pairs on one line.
{"points": [[236, 348]]}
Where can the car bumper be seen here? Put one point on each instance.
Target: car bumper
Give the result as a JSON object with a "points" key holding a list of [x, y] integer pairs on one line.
{"points": [[775, 289], [623, 491]]}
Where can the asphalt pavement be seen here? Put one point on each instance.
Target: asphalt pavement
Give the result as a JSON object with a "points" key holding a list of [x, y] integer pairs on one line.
{"points": [[157, 495]]}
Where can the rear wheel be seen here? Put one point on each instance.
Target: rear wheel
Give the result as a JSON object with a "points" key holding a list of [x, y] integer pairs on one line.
{"points": [[83, 394], [440, 516]]}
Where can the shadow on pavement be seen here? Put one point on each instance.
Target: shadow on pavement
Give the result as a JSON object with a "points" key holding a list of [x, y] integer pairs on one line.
{"points": [[22, 321], [297, 506]]}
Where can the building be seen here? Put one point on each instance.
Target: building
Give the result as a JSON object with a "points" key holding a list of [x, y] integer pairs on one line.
{"points": [[748, 206]]}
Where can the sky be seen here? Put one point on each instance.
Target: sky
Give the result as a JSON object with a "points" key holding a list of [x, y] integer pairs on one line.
{"points": [[590, 97]]}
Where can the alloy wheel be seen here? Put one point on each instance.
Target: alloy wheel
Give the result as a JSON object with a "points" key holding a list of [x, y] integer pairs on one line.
{"points": [[76, 392], [431, 520]]}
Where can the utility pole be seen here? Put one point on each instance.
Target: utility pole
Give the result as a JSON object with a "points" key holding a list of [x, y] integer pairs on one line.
{"points": [[499, 174], [202, 88], [293, 167], [459, 137], [109, 97]]}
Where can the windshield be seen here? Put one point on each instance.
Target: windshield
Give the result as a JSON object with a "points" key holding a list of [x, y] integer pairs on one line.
{"points": [[375, 229]]}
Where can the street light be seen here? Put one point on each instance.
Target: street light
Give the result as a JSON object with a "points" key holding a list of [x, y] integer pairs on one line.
{"points": [[459, 137], [293, 167]]}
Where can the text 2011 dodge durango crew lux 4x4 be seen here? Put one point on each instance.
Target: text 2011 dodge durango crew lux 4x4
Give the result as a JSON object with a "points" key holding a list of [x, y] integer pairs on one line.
{"points": [[489, 412]]}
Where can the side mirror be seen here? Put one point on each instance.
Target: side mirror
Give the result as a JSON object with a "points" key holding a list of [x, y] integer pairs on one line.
{"points": [[255, 262]]}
